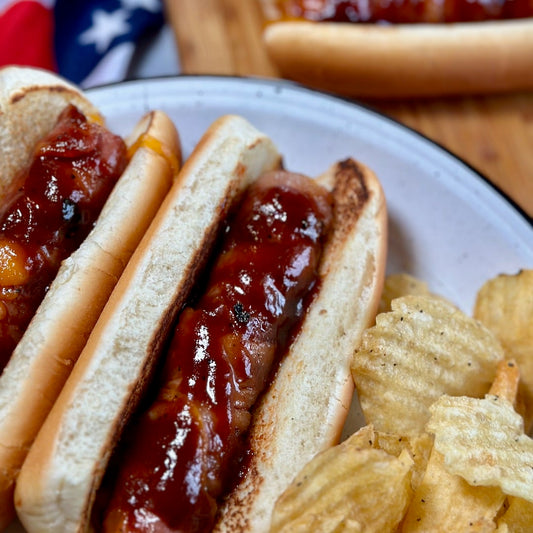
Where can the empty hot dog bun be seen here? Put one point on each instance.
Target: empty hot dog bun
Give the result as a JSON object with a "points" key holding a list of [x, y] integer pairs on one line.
{"points": [[30, 103], [58, 483], [404, 60]]}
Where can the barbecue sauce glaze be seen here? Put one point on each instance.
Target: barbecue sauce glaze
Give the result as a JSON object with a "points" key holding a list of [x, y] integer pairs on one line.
{"points": [[404, 11]]}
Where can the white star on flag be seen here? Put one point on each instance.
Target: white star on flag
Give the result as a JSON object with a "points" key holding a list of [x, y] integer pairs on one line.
{"points": [[105, 27]]}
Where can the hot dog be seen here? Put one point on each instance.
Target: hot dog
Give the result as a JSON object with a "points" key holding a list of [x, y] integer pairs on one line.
{"points": [[402, 49], [299, 270], [76, 200]]}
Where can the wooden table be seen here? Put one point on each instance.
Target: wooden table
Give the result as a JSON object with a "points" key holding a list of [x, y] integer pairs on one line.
{"points": [[494, 134]]}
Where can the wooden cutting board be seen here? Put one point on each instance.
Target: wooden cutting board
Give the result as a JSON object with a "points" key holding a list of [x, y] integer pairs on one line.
{"points": [[493, 134]]}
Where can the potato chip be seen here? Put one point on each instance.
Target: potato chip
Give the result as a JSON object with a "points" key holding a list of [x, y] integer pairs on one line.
{"points": [[505, 305], [344, 489], [364, 437], [483, 441], [508, 385], [397, 285], [518, 517], [418, 446], [445, 502], [505, 384], [423, 348]]}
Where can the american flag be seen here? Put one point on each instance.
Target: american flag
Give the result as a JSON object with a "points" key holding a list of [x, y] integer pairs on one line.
{"points": [[87, 41]]}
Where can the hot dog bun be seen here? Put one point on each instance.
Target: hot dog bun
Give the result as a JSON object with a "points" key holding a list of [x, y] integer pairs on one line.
{"points": [[404, 60], [58, 482], [31, 101], [307, 403]]}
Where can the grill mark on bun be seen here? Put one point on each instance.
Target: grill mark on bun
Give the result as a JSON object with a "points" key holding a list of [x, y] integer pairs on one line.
{"points": [[351, 192], [27, 90]]}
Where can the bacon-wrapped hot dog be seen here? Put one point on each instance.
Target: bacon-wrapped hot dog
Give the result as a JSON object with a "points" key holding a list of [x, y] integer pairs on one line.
{"points": [[403, 48], [300, 263], [65, 235]]}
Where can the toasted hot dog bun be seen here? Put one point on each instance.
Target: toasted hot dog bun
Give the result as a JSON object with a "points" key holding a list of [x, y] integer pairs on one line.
{"points": [[58, 482], [405, 60], [31, 102], [306, 406]]}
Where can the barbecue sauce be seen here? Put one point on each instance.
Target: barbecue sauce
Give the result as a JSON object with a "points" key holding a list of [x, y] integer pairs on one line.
{"points": [[404, 11]]}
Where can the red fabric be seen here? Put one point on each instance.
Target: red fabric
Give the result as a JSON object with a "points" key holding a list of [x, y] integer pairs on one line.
{"points": [[27, 35]]}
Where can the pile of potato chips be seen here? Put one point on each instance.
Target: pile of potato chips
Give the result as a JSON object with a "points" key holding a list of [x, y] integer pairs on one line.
{"points": [[448, 405]]}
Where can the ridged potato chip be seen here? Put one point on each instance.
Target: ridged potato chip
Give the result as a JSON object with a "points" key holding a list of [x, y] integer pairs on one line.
{"points": [[418, 446], [446, 503], [506, 381], [505, 305], [344, 489], [483, 441], [444, 449], [517, 518], [424, 348], [397, 285]]}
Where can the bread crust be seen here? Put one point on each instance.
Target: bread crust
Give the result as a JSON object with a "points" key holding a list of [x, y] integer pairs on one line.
{"points": [[64, 468], [307, 403], [405, 60], [24, 120], [45, 355]]}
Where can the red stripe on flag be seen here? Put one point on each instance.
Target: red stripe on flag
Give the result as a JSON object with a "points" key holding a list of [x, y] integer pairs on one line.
{"points": [[26, 35]]}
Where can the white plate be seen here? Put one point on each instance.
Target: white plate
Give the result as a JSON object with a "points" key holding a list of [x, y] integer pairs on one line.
{"points": [[447, 224]]}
